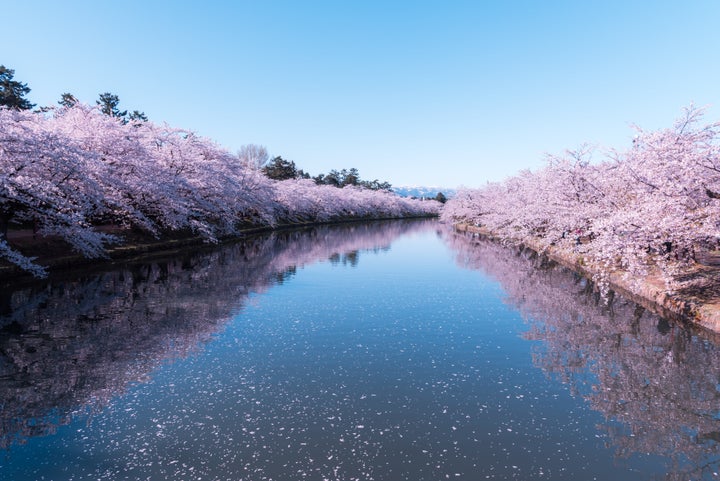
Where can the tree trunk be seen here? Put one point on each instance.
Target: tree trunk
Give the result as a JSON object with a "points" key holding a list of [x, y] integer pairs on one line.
{"points": [[4, 221], [712, 194]]}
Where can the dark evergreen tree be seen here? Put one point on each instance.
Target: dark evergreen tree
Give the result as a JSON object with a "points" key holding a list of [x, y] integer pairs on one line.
{"points": [[12, 92], [109, 105], [440, 197], [376, 185], [350, 177], [137, 116], [67, 100], [281, 169], [333, 178]]}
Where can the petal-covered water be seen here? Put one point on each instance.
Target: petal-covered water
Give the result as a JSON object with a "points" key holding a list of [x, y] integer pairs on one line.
{"points": [[388, 351]]}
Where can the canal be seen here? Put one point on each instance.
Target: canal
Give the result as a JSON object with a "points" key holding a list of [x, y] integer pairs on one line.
{"points": [[382, 351]]}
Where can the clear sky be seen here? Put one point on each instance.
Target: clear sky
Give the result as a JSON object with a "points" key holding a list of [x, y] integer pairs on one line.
{"points": [[439, 93]]}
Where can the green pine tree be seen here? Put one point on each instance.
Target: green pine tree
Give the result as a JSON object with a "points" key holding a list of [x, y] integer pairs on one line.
{"points": [[12, 92]]}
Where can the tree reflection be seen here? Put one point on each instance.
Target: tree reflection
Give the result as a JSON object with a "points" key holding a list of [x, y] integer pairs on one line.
{"points": [[655, 381], [69, 345]]}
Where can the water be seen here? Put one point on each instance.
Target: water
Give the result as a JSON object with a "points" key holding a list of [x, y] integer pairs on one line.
{"points": [[386, 351]]}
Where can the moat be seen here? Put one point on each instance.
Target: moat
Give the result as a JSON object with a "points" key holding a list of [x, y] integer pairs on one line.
{"points": [[383, 351]]}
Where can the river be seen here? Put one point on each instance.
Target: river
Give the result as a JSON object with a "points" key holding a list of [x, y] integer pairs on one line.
{"points": [[382, 351]]}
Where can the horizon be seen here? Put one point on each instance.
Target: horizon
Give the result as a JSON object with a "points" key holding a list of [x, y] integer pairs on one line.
{"points": [[413, 93]]}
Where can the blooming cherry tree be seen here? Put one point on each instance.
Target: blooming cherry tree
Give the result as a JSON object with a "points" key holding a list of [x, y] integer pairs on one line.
{"points": [[70, 170], [648, 208]]}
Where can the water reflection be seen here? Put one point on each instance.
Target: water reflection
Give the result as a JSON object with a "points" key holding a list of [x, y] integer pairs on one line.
{"points": [[68, 346], [656, 382], [400, 366]]}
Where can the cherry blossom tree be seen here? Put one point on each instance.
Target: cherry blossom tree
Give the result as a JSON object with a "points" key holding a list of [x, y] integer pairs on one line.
{"points": [[71, 169], [254, 156], [665, 191], [648, 209], [46, 180]]}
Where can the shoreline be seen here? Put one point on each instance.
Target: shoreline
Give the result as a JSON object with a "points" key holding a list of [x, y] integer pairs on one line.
{"points": [[650, 293], [139, 246]]}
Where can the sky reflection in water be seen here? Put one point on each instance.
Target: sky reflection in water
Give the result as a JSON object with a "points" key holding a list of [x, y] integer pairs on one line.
{"points": [[389, 351]]}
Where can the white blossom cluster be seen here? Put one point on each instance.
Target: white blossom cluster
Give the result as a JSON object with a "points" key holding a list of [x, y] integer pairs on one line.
{"points": [[647, 210], [69, 170]]}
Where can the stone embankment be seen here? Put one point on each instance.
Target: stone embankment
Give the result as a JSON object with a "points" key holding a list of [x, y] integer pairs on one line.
{"points": [[698, 302]]}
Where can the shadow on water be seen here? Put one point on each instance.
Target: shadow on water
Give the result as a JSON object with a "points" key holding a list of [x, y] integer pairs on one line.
{"points": [[68, 346], [656, 382]]}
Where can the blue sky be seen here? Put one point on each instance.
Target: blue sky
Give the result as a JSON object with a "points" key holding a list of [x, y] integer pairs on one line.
{"points": [[413, 92]]}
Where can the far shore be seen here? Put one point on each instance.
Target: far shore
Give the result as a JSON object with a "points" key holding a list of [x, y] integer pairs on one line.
{"points": [[699, 304]]}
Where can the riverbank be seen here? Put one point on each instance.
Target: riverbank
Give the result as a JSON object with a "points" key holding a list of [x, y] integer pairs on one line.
{"points": [[56, 255], [698, 302]]}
